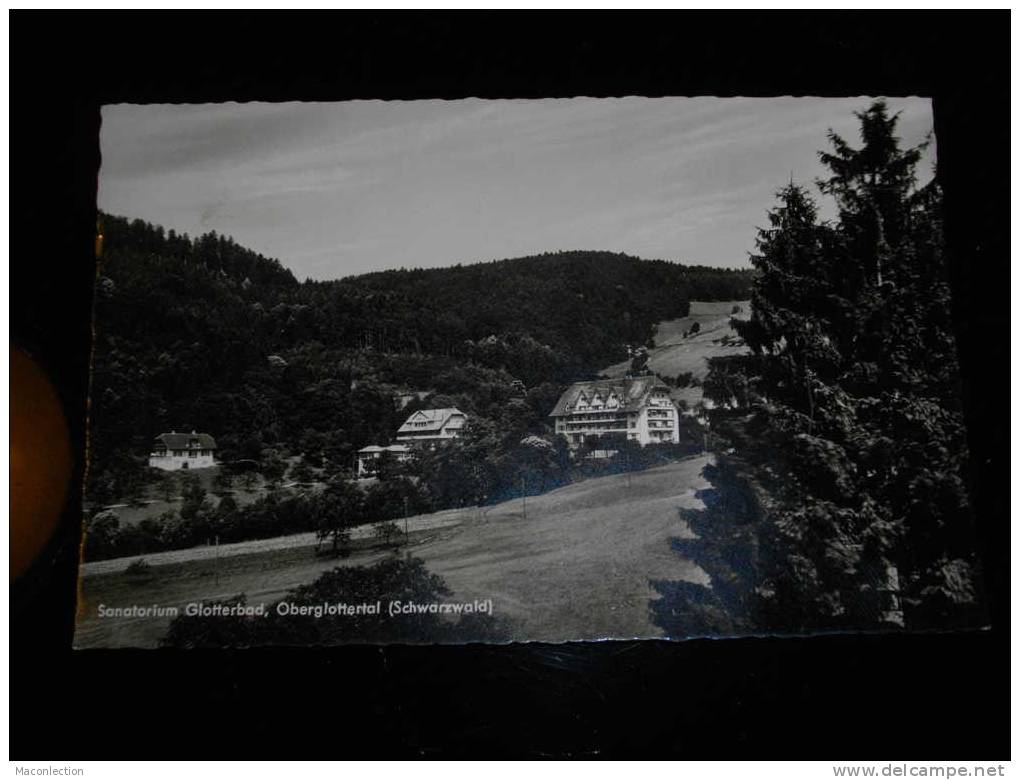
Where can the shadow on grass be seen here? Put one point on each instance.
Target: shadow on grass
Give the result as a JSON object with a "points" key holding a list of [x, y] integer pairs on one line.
{"points": [[724, 548]]}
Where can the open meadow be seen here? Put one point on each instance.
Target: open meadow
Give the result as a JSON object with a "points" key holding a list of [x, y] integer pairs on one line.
{"points": [[574, 563]]}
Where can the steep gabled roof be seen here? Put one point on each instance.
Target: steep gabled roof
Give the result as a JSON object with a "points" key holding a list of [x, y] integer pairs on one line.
{"points": [[631, 393], [396, 448], [182, 441], [433, 419]]}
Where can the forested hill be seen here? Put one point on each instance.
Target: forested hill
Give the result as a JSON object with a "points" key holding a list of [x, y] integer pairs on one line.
{"points": [[205, 334], [585, 304]]}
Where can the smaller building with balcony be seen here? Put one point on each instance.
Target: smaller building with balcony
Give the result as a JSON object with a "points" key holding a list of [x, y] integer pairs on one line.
{"points": [[639, 408], [369, 457]]}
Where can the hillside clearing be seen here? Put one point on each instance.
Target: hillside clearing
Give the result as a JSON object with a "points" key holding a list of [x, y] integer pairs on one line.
{"points": [[673, 354]]}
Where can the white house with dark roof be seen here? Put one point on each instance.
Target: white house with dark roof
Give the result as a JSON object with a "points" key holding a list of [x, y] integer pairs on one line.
{"points": [[428, 427], [179, 451], [369, 456], [639, 408]]}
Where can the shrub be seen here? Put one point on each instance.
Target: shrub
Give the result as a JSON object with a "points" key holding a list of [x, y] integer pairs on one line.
{"points": [[388, 533], [686, 379], [139, 571], [395, 578], [223, 482], [302, 473], [101, 535]]}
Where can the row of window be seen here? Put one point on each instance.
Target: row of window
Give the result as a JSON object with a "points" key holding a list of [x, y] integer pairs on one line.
{"points": [[598, 423], [577, 438], [667, 412], [597, 401], [602, 425], [575, 428]]}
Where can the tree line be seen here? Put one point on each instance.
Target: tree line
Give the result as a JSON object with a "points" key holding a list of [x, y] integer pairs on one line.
{"points": [[840, 498], [485, 468]]}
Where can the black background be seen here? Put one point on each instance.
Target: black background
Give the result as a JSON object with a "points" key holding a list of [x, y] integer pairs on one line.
{"points": [[909, 696]]}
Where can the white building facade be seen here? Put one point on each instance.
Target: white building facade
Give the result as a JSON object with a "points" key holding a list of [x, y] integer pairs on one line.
{"points": [[183, 451], [368, 457], [429, 427], [639, 408]]}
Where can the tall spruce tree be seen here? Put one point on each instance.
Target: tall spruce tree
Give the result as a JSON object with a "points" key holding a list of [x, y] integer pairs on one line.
{"points": [[841, 427]]}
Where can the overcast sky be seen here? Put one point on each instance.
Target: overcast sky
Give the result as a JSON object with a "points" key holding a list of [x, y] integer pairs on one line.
{"points": [[332, 189]]}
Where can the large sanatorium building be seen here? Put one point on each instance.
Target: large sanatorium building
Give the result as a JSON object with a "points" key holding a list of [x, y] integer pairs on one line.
{"points": [[639, 407]]}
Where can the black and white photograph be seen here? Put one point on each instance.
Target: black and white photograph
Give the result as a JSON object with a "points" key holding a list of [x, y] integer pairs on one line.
{"points": [[510, 385], [522, 370]]}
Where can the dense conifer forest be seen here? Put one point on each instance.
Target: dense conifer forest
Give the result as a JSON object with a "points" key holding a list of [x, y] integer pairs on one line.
{"points": [[840, 499]]}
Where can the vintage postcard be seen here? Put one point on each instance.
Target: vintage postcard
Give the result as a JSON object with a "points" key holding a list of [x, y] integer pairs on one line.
{"points": [[522, 370]]}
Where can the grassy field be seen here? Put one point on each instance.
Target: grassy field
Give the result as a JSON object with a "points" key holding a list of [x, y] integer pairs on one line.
{"points": [[577, 566], [674, 354]]}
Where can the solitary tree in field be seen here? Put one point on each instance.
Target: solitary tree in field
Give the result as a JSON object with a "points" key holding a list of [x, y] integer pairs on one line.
{"points": [[301, 472], [167, 486], [193, 499], [272, 465], [388, 533], [223, 482], [339, 510]]}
